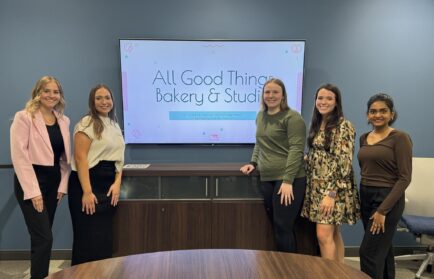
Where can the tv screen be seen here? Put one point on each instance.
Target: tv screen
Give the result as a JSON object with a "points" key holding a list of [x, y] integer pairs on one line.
{"points": [[202, 92]]}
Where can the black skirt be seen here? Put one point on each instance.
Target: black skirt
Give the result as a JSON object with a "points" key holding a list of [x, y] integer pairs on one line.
{"points": [[93, 234]]}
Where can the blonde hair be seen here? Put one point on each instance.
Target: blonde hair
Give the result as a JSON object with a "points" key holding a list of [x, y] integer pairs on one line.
{"points": [[34, 103]]}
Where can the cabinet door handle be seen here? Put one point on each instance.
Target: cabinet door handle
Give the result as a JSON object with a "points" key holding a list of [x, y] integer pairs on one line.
{"points": [[163, 209], [216, 187], [206, 187]]}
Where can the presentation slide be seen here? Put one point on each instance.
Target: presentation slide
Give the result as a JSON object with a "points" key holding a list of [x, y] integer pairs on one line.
{"points": [[202, 92]]}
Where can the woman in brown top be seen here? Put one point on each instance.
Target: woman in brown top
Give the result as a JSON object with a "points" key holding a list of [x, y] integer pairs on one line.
{"points": [[385, 159]]}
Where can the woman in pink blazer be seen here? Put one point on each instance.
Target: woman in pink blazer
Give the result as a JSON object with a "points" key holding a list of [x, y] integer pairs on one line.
{"points": [[40, 151]]}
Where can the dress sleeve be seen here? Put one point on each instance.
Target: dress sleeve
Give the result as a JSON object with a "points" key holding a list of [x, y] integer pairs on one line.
{"points": [[341, 156]]}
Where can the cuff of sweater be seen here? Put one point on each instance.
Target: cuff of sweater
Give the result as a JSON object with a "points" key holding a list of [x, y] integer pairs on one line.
{"points": [[382, 211], [288, 179]]}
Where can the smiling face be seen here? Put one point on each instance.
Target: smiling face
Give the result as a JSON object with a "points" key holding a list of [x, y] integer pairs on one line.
{"points": [[103, 101], [273, 97], [325, 102], [380, 115], [49, 95]]}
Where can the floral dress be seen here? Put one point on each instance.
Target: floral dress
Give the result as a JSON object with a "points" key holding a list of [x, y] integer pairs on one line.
{"points": [[332, 171]]}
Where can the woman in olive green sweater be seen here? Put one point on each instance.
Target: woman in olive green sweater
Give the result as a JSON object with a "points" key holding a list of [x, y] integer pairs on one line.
{"points": [[278, 155]]}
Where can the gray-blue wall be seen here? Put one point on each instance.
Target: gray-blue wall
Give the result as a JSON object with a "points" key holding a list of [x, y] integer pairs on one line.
{"points": [[362, 46]]}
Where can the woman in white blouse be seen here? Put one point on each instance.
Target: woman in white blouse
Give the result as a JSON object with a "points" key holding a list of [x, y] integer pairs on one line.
{"points": [[95, 181]]}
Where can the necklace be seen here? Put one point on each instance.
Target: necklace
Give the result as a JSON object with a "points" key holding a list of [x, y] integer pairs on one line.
{"points": [[376, 136], [49, 119]]}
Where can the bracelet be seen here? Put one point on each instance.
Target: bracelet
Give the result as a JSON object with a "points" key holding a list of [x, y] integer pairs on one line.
{"points": [[331, 194]]}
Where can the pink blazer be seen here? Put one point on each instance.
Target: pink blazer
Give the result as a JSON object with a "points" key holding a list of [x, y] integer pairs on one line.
{"points": [[30, 144]]}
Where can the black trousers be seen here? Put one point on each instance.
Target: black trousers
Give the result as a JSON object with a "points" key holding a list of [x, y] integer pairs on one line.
{"points": [[376, 251], [283, 217], [39, 224], [93, 234]]}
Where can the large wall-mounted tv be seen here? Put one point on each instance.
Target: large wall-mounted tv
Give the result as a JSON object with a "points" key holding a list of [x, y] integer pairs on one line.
{"points": [[202, 91]]}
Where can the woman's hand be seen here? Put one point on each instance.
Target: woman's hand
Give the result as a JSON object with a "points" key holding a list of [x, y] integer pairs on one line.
{"points": [[327, 206], [59, 197], [286, 194], [247, 169], [114, 191], [88, 202], [38, 203], [378, 221]]}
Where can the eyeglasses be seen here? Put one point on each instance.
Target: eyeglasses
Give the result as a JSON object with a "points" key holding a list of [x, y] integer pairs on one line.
{"points": [[381, 111]]}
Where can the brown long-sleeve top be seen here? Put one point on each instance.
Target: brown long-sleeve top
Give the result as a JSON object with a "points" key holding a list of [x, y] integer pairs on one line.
{"points": [[387, 163]]}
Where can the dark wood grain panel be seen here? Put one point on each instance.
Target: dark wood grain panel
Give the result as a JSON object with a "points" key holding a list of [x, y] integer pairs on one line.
{"points": [[148, 226], [245, 225], [188, 225], [241, 224]]}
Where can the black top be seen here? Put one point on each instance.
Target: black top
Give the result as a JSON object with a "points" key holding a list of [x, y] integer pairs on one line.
{"points": [[56, 140]]}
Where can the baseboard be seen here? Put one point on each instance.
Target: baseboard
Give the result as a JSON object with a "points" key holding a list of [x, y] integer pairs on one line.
{"points": [[10, 255], [65, 254]]}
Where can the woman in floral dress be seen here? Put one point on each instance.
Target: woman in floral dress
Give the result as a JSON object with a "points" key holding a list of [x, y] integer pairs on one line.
{"points": [[331, 194]]}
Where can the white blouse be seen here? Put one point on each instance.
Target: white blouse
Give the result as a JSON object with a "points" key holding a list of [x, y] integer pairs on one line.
{"points": [[110, 147]]}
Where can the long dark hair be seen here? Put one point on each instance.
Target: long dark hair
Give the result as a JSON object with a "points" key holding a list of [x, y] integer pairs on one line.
{"points": [[98, 125], [333, 119]]}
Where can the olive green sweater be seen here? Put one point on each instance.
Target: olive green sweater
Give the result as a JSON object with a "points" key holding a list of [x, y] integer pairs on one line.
{"points": [[280, 141]]}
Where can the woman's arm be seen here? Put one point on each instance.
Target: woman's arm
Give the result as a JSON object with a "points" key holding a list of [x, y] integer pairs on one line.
{"points": [[81, 149], [19, 140], [296, 136], [340, 164], [341, 156], [65, 167], [65, 170], [404, 158], [115, 189], [251, 166]]}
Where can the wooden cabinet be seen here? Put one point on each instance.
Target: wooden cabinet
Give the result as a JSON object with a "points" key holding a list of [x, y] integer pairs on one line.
{"points": [[241, 225], [196, 206], [150, 226]]}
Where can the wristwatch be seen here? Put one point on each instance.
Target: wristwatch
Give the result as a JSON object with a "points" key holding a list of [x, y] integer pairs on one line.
{"points": [[331, 194]]}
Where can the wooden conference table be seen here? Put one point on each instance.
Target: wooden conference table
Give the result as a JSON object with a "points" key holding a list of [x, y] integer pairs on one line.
{"points": [[212, 263]]}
